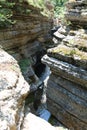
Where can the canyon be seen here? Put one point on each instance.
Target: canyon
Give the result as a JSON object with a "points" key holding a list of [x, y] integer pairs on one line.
{"points": [[28, 49], [67, 84]]}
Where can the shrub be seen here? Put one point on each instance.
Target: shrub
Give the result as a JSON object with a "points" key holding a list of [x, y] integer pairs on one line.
{"points": [[24, 64]]}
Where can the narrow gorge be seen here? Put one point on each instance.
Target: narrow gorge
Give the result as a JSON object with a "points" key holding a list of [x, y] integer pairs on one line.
{"points": [[43, 70], [67, 85]]}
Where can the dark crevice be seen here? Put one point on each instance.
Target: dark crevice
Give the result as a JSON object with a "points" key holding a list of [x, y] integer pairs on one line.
{"points": [[39, 67]]}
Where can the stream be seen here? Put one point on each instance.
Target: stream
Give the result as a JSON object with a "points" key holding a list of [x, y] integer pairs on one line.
{"points": [[42, 108]]}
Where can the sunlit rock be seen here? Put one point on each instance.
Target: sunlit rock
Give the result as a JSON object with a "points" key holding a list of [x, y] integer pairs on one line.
{"points": [[67, 84], [13, 91]]}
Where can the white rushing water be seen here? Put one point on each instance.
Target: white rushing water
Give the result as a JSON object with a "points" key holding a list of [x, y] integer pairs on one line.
{"points": [[45, 74], [42, 109]]}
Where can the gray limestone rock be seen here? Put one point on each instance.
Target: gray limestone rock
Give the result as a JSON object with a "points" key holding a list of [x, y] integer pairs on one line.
{"points": [[66, 70], [77, 12], [66, 93], [32, 122], [13, 90]]}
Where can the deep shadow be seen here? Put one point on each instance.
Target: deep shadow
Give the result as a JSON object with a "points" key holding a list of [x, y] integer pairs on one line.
{"points": [[39, 67]]}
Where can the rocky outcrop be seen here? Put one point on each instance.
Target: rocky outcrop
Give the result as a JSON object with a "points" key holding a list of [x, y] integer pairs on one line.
{"points": [[28, 34], [67, 93], [32, 122], [13, 91], [67, 85], [23, 40], [77, 12], [26, 38]]}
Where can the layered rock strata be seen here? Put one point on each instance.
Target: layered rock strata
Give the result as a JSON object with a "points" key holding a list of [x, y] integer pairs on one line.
{"points": [[77, 12], [27, 35], [67, 85], [67, 92], [13, 91], [26, 38], [23, 40]]}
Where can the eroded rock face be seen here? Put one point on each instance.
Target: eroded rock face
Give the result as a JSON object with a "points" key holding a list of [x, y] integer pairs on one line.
{"points": [[13, 90], [67, 93], [27, 35], [26, 38], [77, 11], [67, 85]]}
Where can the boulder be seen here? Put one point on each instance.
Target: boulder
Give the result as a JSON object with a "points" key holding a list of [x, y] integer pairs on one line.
{"points": [[32, 122], [13, 91]]}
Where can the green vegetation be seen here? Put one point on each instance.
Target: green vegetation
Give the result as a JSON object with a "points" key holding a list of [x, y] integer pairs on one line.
{"points": [[52, 120], [24, 64], [45, 6], [58, 5], [8, 8], [69, 52], [59, 8], [37, 3], [30, 98], [6, 13]]}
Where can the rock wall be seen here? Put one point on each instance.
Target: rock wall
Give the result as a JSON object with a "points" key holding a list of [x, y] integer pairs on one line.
{"points": [[26, 38], [32, 122], [23, 40], [13, 91], [76, 12], [27, 35], [67, 85]]}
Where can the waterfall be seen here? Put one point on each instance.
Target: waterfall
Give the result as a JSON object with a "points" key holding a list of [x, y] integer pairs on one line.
{"points": [[42, 108]]}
